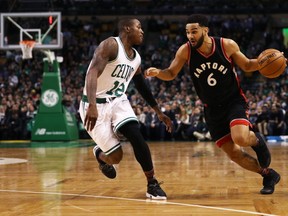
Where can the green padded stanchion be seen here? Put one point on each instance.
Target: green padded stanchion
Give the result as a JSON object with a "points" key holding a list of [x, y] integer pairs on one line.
{"points": [[53, 122]]}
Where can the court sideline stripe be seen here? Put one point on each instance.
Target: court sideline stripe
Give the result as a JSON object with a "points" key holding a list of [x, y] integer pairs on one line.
{"points": [[139, 200]]}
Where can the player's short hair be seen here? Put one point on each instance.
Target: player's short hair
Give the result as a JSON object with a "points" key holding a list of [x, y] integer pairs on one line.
{"points": [[198, 18], [124, 22]]}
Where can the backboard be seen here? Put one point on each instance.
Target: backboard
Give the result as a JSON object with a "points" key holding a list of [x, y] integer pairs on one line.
{"points": [[42, 27]]}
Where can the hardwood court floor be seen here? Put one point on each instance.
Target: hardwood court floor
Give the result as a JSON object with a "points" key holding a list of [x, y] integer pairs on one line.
{"points": [[62, 179]]}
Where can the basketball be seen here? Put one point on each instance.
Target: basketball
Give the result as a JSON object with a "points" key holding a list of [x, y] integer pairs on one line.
{"points": [[272, 63]]}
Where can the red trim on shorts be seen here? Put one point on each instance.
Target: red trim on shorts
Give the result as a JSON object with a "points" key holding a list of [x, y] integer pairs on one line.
{"points": [[240, 122], [228, 137], [223, 140]]}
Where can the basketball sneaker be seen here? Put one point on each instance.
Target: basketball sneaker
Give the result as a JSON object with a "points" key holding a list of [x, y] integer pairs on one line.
{"points": [[262, 151], [108, 170], [154, 191], [270, 179]]}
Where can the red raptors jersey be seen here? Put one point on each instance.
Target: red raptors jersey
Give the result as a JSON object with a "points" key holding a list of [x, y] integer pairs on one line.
{"points": [[213, 75]]}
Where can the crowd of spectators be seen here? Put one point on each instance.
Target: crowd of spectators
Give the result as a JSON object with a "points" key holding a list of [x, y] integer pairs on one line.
{"points": [[145, 7], [20, 80]]}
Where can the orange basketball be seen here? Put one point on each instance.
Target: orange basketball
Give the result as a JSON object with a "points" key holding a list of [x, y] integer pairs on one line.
{"points": [[272, 63]]}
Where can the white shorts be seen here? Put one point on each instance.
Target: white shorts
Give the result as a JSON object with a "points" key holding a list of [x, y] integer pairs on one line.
{"points": [[111, 116]]}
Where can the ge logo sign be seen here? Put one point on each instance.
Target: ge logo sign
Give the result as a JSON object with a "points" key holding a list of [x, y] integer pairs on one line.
{"points": [[50, 98]]}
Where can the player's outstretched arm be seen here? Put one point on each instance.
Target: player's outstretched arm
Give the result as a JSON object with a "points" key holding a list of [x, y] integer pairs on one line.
{"points": [[175, 67]]}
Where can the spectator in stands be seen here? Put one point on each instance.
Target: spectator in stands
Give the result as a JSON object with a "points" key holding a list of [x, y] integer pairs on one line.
{"points": [[3, 126], [13, 80], [68, 103], [14, 123], [164, 135], [262, 120], [183, 124], [276, 123], [253, 116], [141, 115], [198, 129], [152, 123]]}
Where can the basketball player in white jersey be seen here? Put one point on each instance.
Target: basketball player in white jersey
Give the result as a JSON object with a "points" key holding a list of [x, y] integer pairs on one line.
{"points": [[105, 110]]}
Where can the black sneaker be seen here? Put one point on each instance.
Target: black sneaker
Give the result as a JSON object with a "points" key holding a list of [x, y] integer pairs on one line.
{"points": [[269, 182], [108, 170], [262, 151], [154, 191]]}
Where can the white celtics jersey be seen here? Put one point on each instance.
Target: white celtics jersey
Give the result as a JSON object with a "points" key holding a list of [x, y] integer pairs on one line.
{"points": [[114, 80]]}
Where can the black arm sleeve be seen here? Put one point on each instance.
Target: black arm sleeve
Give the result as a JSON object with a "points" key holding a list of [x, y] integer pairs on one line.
{"points": [[144, 90]]}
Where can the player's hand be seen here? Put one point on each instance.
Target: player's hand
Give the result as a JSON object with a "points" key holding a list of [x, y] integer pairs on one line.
{"points": [[167, 121], [91, 117], [151, 72]]}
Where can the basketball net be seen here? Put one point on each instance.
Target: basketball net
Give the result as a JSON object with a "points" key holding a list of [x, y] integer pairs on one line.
{"points": [[27, 47]]}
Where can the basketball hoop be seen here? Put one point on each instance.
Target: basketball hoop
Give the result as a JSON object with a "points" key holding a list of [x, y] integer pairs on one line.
{"points": [[27, 47]]}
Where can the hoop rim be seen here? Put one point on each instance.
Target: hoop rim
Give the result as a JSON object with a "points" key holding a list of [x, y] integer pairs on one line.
{"points": [[29, 43]]}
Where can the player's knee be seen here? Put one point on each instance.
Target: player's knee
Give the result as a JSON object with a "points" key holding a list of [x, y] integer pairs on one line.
{"points": [[240, 140], [131, 131]]}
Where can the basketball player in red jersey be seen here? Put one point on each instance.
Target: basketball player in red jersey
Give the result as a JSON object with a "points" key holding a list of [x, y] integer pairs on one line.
{"points": [[211, 64]]}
